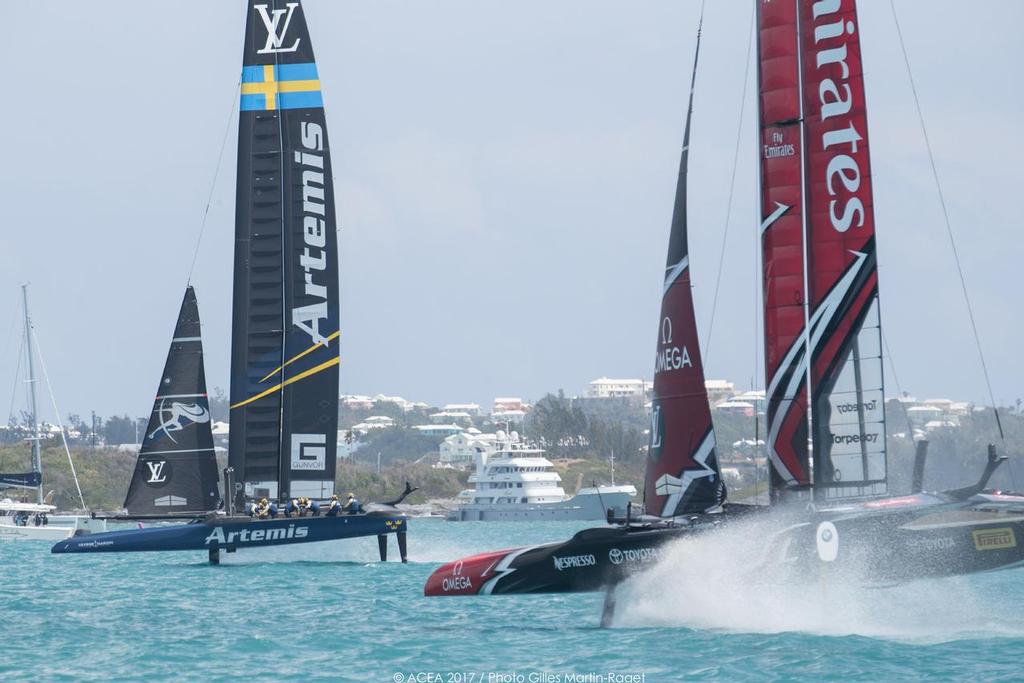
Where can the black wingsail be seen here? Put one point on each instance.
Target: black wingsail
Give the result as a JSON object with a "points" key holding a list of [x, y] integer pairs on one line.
{"points": [[177, 468], [284, 356]]}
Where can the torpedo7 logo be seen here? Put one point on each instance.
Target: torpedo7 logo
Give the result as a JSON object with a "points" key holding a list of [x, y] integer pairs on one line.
{"points": [[275, 32]]}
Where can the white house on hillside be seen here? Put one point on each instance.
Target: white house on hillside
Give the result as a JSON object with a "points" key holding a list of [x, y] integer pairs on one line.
{"points": [[603, 387], [460, 450]]}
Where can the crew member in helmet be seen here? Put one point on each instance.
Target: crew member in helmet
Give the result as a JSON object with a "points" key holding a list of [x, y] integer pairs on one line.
{"points": [[334, 509], [264, 510], [352, 505], [261, 510]]}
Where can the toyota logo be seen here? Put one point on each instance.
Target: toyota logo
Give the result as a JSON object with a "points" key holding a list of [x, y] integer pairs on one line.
{"points": [[615, 556]]}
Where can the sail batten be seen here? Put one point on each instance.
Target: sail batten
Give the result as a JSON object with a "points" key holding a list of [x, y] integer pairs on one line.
{"points": [[285, 358], [176, 471], [682, 473]]}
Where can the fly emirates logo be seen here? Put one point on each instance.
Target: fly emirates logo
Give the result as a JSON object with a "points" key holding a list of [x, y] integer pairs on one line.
{"points": [[840, 137]]}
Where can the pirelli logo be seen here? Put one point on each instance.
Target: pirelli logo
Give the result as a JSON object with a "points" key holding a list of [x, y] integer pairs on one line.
{"points": [[994, 539]]}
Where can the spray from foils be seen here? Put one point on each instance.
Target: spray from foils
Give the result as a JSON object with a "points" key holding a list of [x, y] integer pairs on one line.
{"points": [[732, 580]]}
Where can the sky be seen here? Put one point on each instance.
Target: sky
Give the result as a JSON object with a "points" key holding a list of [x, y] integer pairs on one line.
{"points": [[504, 175]]}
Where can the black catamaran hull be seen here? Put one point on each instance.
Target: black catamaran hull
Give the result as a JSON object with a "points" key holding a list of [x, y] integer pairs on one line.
{"points": [[895, 540], [233, 533], [887, 541], [591, 560]]}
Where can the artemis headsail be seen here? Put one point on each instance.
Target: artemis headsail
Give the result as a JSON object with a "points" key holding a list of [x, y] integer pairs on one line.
{"points": [[682, 468], [176, 471], [284, 356], [818, 241]]}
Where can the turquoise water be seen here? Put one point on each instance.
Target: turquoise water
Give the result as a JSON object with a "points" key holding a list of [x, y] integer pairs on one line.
{"points": [[331, 612]]}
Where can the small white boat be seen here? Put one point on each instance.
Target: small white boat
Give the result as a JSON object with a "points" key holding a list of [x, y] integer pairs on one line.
{"points": [[21, 520], [36, 522]]}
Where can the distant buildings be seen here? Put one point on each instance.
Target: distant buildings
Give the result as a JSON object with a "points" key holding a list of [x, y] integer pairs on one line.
{"points": [[460, 450], [510, 410], [933, 413], [735, 408], [719, 390], [604, 387], [471, 409], [439, 430], [357, 402]]}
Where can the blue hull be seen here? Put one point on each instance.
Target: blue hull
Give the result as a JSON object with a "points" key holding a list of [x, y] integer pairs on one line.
{"points": [[233, 533]]}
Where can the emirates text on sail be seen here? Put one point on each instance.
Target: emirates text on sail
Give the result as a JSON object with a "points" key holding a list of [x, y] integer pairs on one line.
{"points": [[841, 167]]}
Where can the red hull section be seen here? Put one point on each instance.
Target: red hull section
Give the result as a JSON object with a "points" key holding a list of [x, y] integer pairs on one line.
{"points": [[466, 576]]}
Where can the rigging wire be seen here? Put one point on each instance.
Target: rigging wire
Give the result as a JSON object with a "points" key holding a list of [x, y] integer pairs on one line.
{"points": [[14, 394], [17, 374], [10, 333], [896, 379], [949, 227], [732, 186], [213, 182], [60, 425], [757, 357]]}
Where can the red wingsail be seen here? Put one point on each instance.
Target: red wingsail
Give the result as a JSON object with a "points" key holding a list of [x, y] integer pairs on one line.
{"points": [[847, 414], [782, 243]]}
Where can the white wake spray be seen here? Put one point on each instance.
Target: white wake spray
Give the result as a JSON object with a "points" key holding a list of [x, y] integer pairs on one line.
{"points": [[724, 581]]}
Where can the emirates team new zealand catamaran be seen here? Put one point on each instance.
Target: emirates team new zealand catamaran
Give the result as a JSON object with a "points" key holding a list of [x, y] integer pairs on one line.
{"points": [[284, 355], [823, 358]]}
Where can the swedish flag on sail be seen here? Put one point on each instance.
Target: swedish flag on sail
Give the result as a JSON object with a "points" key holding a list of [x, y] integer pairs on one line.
{"points": [[280, 86]]}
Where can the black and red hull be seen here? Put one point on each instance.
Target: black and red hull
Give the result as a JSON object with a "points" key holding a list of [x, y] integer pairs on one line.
{"points": [[886, 541], [591, 560]]}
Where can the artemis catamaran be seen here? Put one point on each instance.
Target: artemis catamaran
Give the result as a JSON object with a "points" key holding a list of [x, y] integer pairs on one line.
{"points": [[823, 364], [284, 352]]}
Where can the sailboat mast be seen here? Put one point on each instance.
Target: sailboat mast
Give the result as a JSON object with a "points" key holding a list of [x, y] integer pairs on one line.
{"points": [[37, 461], [806, 256]]}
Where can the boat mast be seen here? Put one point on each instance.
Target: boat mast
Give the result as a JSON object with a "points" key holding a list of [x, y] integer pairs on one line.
{"points": [[37, 463], [806, 259]]}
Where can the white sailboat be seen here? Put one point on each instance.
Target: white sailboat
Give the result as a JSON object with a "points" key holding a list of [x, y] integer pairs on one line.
{"points": [[20, 519]]}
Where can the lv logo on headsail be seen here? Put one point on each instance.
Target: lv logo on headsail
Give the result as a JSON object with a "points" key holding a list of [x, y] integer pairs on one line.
{"points": [[271, 20], [156, 472]]}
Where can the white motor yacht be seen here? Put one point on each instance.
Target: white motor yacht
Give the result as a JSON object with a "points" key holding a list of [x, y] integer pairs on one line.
{"points": [[517, 483]]}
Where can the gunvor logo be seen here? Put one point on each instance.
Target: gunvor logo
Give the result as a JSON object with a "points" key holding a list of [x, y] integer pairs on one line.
{"points": [[994, 539]]}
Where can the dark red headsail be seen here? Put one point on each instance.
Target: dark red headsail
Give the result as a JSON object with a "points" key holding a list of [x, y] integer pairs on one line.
{"points": [[682, 466]]}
